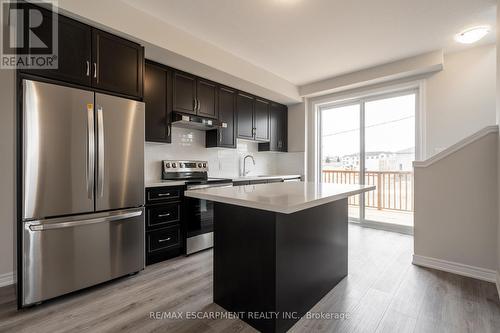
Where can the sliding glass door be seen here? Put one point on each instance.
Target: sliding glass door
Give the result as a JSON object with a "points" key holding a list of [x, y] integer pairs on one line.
{"points": [[389, 153], [372, 141], [340, 149]]}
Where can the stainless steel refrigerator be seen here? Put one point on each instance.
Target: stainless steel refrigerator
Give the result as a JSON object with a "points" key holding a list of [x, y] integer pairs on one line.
{"points": [[82, 190]]}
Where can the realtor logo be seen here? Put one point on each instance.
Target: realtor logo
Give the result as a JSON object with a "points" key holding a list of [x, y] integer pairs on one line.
{"points": [[29, 35]]}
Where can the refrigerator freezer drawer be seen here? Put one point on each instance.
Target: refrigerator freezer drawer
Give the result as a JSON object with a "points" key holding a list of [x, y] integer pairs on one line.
{"points": [[67, 254]]}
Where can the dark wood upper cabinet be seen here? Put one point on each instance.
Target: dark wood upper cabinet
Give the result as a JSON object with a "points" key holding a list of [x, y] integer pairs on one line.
{"points": [[206, 93], [118, 64], [74, 56], [253, 118], [194, 95], [282, 120], [225, 135], [245, 128], [93, 58], [184, 92], [261, 120], [278, 128], [158, 99]]}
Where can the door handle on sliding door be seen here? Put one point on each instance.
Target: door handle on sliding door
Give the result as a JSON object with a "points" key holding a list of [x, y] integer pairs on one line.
{"points": [[100, 152], [90, 151]]}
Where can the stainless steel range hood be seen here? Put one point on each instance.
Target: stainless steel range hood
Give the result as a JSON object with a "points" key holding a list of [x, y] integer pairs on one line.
{"points": [[194, 122]]}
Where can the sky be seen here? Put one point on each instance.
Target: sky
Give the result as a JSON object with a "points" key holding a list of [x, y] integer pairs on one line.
{"points": [[390, 126]]}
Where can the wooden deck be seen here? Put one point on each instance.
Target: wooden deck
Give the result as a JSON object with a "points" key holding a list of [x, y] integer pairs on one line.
{"points": [[387, 216], [384, 293]]}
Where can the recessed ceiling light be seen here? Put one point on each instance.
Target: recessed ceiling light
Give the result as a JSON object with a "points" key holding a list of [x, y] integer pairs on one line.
{"points": [[472, 35]]}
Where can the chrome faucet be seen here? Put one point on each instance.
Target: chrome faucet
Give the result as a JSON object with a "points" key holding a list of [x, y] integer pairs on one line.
{"points": [[245, 172]]}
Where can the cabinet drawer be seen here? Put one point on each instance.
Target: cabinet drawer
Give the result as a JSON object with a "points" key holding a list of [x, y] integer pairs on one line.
{"points": [[159, 194], [163, 239], [163, 214]]}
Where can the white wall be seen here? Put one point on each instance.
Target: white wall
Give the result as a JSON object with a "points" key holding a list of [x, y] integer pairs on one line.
{"points": [[297, 127], [458, 101], [7, 166], [223, 162], [456, 206], [130, 22], [421, 64], [461, 99]]}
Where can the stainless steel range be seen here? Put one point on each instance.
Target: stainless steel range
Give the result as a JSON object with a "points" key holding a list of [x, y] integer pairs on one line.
{"points": [[199, 214]]}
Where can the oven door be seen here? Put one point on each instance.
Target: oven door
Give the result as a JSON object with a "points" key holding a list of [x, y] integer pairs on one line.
{"points": [[200, 221], [199, 216]]}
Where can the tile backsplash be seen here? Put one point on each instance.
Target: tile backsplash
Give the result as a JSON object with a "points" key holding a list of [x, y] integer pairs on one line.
{"points": [[190, 145]]}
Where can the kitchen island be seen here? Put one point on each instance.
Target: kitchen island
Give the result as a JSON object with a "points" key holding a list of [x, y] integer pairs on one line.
{"points": [[278, 248]]}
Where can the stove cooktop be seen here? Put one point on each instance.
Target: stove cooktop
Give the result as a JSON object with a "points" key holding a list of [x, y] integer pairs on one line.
{"points": [[191, 172]]}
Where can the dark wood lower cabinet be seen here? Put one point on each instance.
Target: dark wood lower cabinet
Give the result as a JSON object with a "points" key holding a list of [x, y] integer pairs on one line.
{"points": [[165, 228]]}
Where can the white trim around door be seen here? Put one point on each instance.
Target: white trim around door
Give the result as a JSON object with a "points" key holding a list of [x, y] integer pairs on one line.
{"points": [[315, 106]]}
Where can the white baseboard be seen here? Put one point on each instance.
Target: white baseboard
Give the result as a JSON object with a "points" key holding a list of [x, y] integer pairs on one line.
{"points": [[456, 268], [6, 279]]}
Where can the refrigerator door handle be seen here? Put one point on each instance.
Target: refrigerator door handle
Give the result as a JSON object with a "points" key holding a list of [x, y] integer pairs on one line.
{"points": [[100, 152], [90, 151], [71, 224]]}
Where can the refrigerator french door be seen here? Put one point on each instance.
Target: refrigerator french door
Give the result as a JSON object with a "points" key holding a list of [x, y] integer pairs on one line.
{"points": [[82, 189]]}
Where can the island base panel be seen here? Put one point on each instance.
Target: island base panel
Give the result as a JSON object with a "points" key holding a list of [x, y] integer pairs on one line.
{"points": [[266, 262]]}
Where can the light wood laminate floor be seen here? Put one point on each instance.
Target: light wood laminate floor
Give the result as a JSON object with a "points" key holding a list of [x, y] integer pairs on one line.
{"points": [[384, 292]]}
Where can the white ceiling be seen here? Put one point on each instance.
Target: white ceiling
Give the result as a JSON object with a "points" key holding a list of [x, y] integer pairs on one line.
{"points": [[304, 41]]}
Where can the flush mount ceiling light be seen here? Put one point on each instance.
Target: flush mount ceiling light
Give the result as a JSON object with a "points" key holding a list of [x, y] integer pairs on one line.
{"points": [[472, 35]]}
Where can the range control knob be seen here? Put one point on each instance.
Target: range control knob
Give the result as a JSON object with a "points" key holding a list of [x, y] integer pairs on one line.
{"points": [[199, 165], [167, 165], [204, 165], [174, 165], [181, 165]]}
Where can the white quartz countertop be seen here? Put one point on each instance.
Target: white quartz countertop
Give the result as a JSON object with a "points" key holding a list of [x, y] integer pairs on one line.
{"points": [[160, 183], [284, 198]]}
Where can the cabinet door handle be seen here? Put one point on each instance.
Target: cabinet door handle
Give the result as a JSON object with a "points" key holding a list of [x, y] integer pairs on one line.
{"points": [[194, 104], [163, 194], [199, 105], [164, 240], [220, 136], [95, 70], [168, 130], [88, 68], [164, 215]]}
